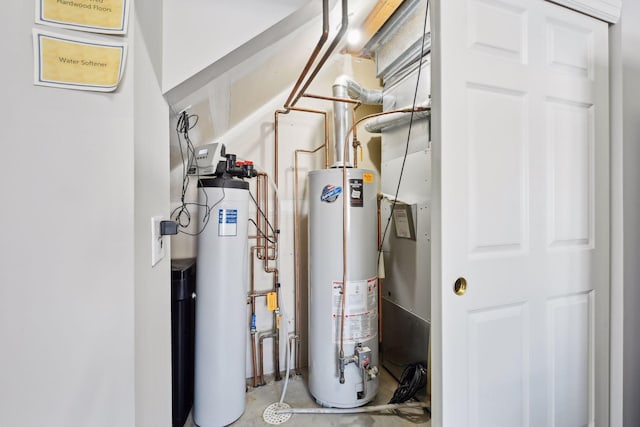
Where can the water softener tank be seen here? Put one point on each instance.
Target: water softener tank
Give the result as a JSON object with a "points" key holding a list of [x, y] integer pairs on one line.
{"points": [[219, 395], [326, 291]]}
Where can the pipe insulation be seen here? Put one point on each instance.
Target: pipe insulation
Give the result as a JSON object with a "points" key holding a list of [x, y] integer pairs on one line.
{"points": [[345, 87], [377, 124]]}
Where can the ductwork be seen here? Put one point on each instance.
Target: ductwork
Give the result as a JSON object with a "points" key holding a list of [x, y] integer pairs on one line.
{"points": [[346, 87], [377, 124], [357, 92]]}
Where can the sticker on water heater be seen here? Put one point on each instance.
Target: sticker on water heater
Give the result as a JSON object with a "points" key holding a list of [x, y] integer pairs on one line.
{"points": [[356, 197], [330, 193], [227, 222], [360, 310]]}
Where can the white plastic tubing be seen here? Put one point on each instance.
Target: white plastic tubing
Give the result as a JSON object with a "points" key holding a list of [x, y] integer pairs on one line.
{"points": [[360, 410]]}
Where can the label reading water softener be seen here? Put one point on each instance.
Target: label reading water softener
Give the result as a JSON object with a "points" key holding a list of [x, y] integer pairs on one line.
{"points": [[227, 222], [360, 310]]}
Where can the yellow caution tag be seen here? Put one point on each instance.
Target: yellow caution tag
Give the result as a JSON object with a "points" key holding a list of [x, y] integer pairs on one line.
{"points": [[272, 301], [277, 321], [367, 178]]}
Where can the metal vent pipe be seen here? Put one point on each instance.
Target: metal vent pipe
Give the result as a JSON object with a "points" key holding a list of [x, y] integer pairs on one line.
{"points": [[343, 87]]}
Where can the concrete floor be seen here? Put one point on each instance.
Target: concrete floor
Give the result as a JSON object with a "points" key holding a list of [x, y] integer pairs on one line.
{"points": [[298, 397]]}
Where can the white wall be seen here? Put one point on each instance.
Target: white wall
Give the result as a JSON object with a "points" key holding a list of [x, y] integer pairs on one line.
{"points": [[84, 319], [152, 285], [199, 33], [67, 260]]}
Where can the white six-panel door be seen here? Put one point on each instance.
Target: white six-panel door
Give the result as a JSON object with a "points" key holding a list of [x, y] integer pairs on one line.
{"points": [[521, 203]]}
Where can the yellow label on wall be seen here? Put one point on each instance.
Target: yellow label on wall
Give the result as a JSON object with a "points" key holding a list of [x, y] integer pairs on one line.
{"points": [[367, 178], [77, 64], [108, 16], [272, 301]]}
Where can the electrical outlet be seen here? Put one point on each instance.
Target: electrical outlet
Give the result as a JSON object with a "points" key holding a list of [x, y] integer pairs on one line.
{"points": [[157, 241]]}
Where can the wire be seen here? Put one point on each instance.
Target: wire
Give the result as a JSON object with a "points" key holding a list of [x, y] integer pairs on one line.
{"points": [[182, 214], [207, 215], [413, 378], [406, 149], [273, 242], [262, 214]]}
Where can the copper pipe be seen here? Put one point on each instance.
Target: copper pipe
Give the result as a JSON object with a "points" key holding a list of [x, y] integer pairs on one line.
{"points": [[344, 255], [295, 338], [265, 221], [343, 29], [264, 230], [261, 338], [253, 332], [296, 248], [253, 312], [276, 220], [276, 326], [331, 98], [379, 279], [316, 51], [260, 294], [276, 345], [258, 217], [326, 132], [254, 361], [356, 143], [296, 221]]}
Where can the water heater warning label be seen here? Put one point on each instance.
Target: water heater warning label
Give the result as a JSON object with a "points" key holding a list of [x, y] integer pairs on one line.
{"points": [[356, 198], [360, 310], [227, 222]]}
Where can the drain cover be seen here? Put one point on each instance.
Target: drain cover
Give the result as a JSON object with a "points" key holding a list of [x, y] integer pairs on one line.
{"points": [[271, 417]]}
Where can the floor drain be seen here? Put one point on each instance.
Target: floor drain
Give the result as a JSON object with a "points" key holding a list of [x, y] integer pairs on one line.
{"points": [[271, 417]]}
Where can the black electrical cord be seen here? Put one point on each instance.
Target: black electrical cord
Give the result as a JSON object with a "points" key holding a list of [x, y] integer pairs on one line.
{"points": [[263, 215], [406, 149], [181, 214], [273, 242], [413, 378], [207, 214]]}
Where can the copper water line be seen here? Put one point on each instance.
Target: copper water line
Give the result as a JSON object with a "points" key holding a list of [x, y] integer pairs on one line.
{"points": [[265, 221], [343, 29], [289, 103], [326, 131], [262, 222], [331, 98], [379, 202], [258, 204], [276, 326], [295, 338], [296, 240], [253, 311], [261, 338], [316, 51], [296, 227], [356, 143], [263, 248]]}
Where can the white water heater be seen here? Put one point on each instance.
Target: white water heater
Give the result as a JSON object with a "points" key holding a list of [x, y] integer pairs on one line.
{"points": [[357, 384], [219, 386]]}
